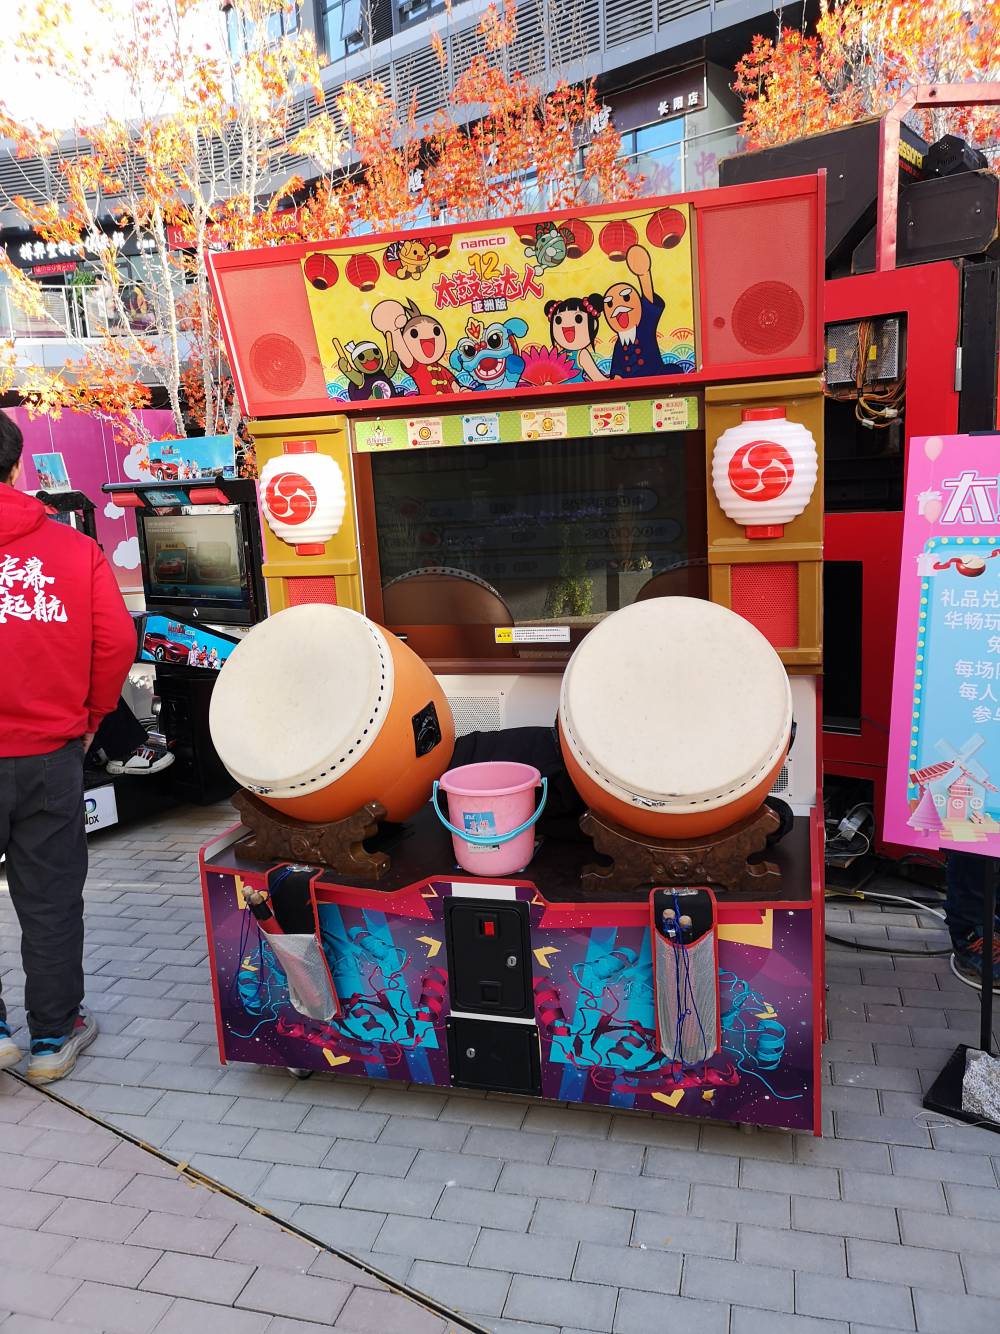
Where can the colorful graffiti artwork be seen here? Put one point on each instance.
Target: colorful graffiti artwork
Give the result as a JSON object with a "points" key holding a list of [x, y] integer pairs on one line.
{"points": [[515, 305]]}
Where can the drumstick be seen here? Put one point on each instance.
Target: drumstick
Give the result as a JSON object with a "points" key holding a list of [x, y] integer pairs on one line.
{"points": [[338, 347]]}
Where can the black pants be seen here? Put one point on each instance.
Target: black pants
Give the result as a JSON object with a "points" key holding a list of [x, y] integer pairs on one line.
{"points": [[42, 833], [120, 733]]}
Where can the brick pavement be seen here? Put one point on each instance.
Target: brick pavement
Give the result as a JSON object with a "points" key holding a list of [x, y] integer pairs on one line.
{"points": [[543, 1219]]}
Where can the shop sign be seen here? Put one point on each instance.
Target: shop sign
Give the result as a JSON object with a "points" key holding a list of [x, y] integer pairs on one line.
{"points": [[675, 94], [182, 237], [544, 302], [52, 270], [944, 756]]}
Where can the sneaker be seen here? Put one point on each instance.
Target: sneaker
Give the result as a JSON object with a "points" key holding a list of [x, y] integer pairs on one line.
{"points": [[967, 960], [53, 1058], [147, 759], [10, 1052]]}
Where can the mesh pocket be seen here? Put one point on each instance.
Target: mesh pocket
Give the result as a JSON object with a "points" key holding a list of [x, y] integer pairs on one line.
{"points": [[309, 987]]}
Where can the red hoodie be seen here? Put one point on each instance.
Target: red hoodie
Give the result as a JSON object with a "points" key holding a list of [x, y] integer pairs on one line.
{"points": [[66, 637]]}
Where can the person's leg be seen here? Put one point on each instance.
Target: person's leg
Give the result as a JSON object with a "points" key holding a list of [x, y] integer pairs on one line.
{"points": [[963, 910], [120, 733], [46, 869]]}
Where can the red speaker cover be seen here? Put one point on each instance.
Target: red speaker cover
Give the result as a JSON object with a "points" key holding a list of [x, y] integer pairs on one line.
{"points": [[311, 588], [760, 282], [768, 597]]}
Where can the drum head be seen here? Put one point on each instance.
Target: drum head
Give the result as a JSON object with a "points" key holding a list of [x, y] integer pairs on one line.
{"points": [[676, 703], [301, 699]]}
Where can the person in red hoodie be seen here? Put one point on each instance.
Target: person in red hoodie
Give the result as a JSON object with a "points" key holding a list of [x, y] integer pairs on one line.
{"points": [[66, 644]]}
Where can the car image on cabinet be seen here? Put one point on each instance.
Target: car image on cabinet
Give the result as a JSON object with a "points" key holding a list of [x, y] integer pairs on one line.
{"points": [[163, 649]]}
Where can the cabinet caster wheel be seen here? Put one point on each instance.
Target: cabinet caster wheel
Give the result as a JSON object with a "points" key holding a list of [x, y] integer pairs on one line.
{"points": [[300, 1074]]}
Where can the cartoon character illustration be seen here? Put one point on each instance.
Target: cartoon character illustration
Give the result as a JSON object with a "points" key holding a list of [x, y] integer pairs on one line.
{"points": [[419, 342], [409, 259], [573, 324], [213, 659], [549, 249], [633, 317], [488, 358], [369, 373]]}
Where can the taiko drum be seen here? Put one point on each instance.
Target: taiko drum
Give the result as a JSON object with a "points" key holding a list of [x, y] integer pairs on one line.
{"points": [[675, 717], [319, 711]]}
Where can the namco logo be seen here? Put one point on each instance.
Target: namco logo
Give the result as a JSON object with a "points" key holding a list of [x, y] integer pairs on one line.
{"points": [[761, 470], [290, 497]]}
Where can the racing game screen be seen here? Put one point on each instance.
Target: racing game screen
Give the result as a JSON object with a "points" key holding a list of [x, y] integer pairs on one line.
{"points": [[193, 559]]}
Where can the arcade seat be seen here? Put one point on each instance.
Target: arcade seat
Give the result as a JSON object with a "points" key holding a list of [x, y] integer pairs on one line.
{"points": [[441, 595], [689, 579]]}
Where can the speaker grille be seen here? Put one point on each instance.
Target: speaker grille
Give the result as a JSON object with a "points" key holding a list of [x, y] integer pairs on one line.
{"points": [[477, 713], [768, 597], [278, 364], [301, 589], [768, 318]]}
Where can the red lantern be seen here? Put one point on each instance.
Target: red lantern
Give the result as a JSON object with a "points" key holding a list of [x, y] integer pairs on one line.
{"points": [[666, 228], [617, 239], [363, 272], [582, 238], [440, 246], [525, 232], [321, 272]]}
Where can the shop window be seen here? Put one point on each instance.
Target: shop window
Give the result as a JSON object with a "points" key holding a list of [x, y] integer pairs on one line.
{"points": [[547, 533], [415, 11], [242, 34], [353, 25], [656, 153]]}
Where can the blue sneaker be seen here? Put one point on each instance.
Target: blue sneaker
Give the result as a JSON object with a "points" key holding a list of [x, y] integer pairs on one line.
{"points": [[53, 1058], [10, 1052], [967, 960]]}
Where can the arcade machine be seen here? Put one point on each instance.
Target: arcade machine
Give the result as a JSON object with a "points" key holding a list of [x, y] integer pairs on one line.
{"points": [[540, 478], [911, 349], [200, 553]]}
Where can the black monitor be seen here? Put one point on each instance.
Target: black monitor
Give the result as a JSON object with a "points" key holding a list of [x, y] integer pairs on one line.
{"points": [[202, 562]]}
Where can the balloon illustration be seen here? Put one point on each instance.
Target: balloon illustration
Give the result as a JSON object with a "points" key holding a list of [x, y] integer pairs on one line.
{"points": [[933, 446], [932, 510]]}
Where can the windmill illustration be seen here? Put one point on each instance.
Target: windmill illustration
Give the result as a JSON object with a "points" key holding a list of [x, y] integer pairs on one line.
{"points": [[955, 784]]}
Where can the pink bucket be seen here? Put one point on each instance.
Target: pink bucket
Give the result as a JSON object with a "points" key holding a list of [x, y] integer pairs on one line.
{"points": [[491, 819]]}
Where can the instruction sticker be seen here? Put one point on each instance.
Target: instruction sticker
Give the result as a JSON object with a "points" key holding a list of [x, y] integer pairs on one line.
{"points": [[531, 634], [425, 432], [544, 424], [609, 419], [671, 414], [482, 428]]}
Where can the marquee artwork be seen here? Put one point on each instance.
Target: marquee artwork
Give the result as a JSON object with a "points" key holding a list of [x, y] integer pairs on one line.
{"points": [[517, 305]]}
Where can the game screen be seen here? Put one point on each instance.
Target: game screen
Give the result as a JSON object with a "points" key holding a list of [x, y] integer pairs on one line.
{"points": [[170, 641], [193, 559]]}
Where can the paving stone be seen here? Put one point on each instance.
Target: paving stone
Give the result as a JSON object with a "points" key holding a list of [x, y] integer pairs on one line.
{"points": [[842, 1219], [370, 1312], [644, 1312], [193, 1137], [914, 1265], [484, 1112], [559, 1183], [936, 1165], [796, 1178], [198, 1277], [196, 1236], [345, 1229], [296, 1295], [255, 1245], [21, 1173], [263, 1113], [391, 1195], [524, 1253], [460, 1169], [515, 1146], [116, 1310], [413, 1101], [192, 1078], [334, 1123], [459, 1204], [694, 1236], [20, 1208], [478, 1291], [148, 1129], [854, 1298], [659, 1194], [354, 1155], [589, 1305], [85, 1218], [192, 1106], [26, 1293], [103, 1261], [771, 1147], [582, 1222], [307, 1184], [571, 1151], [659, 1130], [976, 1236], [580, 1121], [894, 1192], [283, 1146], [741, 1206], [810, 1251], [24, 1248], [747, 1321], [427, 1239], [186, 1316], [710, 1168], [762, 1286], [857, 1154], [973, 1201], [628, 1267]]}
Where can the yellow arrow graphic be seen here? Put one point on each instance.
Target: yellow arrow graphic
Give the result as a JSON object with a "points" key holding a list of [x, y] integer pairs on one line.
{"points": [[334, 1060], [433, 946], [542, 955], [671, 1099]]}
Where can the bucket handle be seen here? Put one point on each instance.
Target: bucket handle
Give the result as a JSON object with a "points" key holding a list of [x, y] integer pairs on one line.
{"points": [[489, 840]]}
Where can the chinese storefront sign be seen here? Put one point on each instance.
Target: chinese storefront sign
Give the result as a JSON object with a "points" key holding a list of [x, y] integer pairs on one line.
{"points": [[944, 757], [524, 304]]}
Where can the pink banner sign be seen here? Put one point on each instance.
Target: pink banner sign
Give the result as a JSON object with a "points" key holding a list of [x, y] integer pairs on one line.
{"points": [[944, 748]]}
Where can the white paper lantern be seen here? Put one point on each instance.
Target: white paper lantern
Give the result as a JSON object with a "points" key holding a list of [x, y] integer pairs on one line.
{"points": [[303, 497], [764, 471]]}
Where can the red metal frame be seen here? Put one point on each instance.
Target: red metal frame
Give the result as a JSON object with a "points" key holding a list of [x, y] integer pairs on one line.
{"points": [[701, 202], [929, 297]]}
